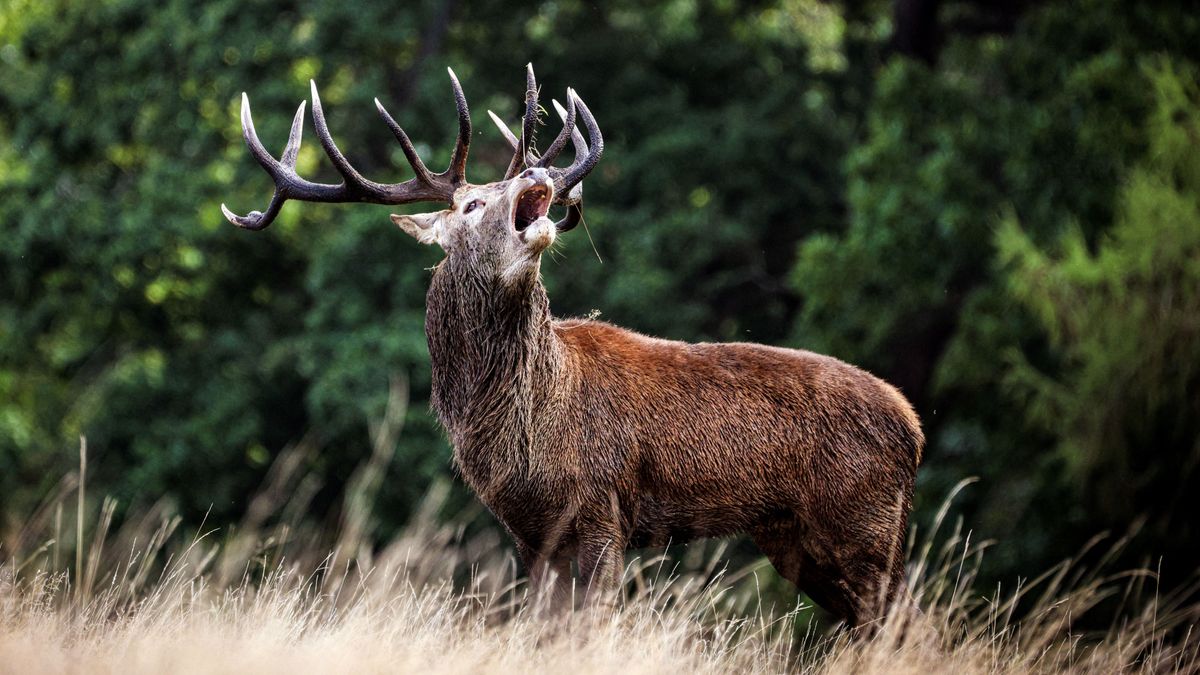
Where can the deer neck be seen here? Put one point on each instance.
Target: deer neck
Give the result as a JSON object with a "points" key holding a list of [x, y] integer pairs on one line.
{"points": [[496, 361]]}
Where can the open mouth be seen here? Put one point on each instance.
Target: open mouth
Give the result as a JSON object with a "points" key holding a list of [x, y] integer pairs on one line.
{"points": [[533, 203]]}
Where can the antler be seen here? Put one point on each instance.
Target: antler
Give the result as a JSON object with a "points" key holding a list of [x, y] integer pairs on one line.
{"points": [[568, 186], [425, 186]]}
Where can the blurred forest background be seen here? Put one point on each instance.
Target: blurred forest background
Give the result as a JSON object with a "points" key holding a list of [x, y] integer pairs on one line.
{"points": [[994, 205]]}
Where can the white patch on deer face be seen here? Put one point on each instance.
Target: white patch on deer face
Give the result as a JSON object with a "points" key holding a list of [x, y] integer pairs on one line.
{"points": [[540, 235]]}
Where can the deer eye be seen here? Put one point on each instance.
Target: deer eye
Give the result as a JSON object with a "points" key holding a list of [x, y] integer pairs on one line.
{"points": [[472, 205]]}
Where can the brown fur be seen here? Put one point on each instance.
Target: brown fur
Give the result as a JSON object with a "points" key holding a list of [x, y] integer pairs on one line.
{"points": [[585, 439]]}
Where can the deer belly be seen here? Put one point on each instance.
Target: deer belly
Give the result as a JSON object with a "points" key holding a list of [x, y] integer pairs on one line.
{"points": [[659, 522]]}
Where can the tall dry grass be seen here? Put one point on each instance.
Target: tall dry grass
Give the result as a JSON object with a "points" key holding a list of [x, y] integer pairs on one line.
{"points": [[148, 598]]}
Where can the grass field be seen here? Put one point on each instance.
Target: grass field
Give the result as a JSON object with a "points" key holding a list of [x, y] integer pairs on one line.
{"points": [[267, 596]]}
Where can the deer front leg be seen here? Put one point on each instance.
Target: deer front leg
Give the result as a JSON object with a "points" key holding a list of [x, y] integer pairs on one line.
{"points": [[549, 576], [601, 560]]}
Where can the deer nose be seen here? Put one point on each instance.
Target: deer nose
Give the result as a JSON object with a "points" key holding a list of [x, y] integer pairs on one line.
{"points": [[536, 173]]}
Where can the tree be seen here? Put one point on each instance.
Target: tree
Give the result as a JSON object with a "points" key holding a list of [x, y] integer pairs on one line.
{"points": [[1122, 319]]}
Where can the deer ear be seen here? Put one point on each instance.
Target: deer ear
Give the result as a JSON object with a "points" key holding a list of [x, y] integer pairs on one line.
{"points": [[424, 227]]}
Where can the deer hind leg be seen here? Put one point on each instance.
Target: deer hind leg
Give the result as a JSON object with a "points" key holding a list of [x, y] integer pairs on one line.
{"points": [[783, 544], [861, 563], [860, 589], [852, 574]]}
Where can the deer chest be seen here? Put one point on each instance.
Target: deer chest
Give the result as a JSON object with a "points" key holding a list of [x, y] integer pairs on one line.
{"points": [[524, 495]]}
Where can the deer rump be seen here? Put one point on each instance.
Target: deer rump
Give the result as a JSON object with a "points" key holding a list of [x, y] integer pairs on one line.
{"points": [[640, 441]]}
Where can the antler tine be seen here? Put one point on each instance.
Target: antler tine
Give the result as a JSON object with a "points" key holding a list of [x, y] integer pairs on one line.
{"points": [[455, 174], [568, 118], [583, 164], [504, 130], [425, 186], [529, 124], [513, 142], [282, 172], [568, 181], [292, 149], [406, 146], [256, 220], [573, 198], [352, 179], [526, 148], [251, 136], [573, 218], [458, 161], [575, 194], [560, 141], [576, 136]]}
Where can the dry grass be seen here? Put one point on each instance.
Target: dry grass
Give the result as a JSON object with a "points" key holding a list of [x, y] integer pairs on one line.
{"points": [[151, 599]]}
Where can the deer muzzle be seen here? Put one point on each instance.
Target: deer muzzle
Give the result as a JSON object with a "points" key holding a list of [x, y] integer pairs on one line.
{"points": [[534, 199]]}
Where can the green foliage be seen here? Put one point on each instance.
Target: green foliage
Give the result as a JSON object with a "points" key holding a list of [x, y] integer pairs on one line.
{"points": [[771, 173], [1122, 320], [187, 351], [1041, 125]]}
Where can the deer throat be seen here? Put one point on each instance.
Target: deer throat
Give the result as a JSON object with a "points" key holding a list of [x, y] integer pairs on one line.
{"points": [[495, 360]]}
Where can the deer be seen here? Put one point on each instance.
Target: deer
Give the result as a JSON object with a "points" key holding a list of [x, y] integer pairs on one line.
{"points": [[585, 439]]}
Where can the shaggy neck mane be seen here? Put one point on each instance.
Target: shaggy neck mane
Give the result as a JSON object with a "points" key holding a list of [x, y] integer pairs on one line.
{"points": [[494, 355]]}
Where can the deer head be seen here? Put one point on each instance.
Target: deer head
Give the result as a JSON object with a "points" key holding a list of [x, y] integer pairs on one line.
{"points": [[500, 228]]}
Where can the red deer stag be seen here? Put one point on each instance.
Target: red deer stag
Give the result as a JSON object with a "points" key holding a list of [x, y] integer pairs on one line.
{"points": [[585, 439]]}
